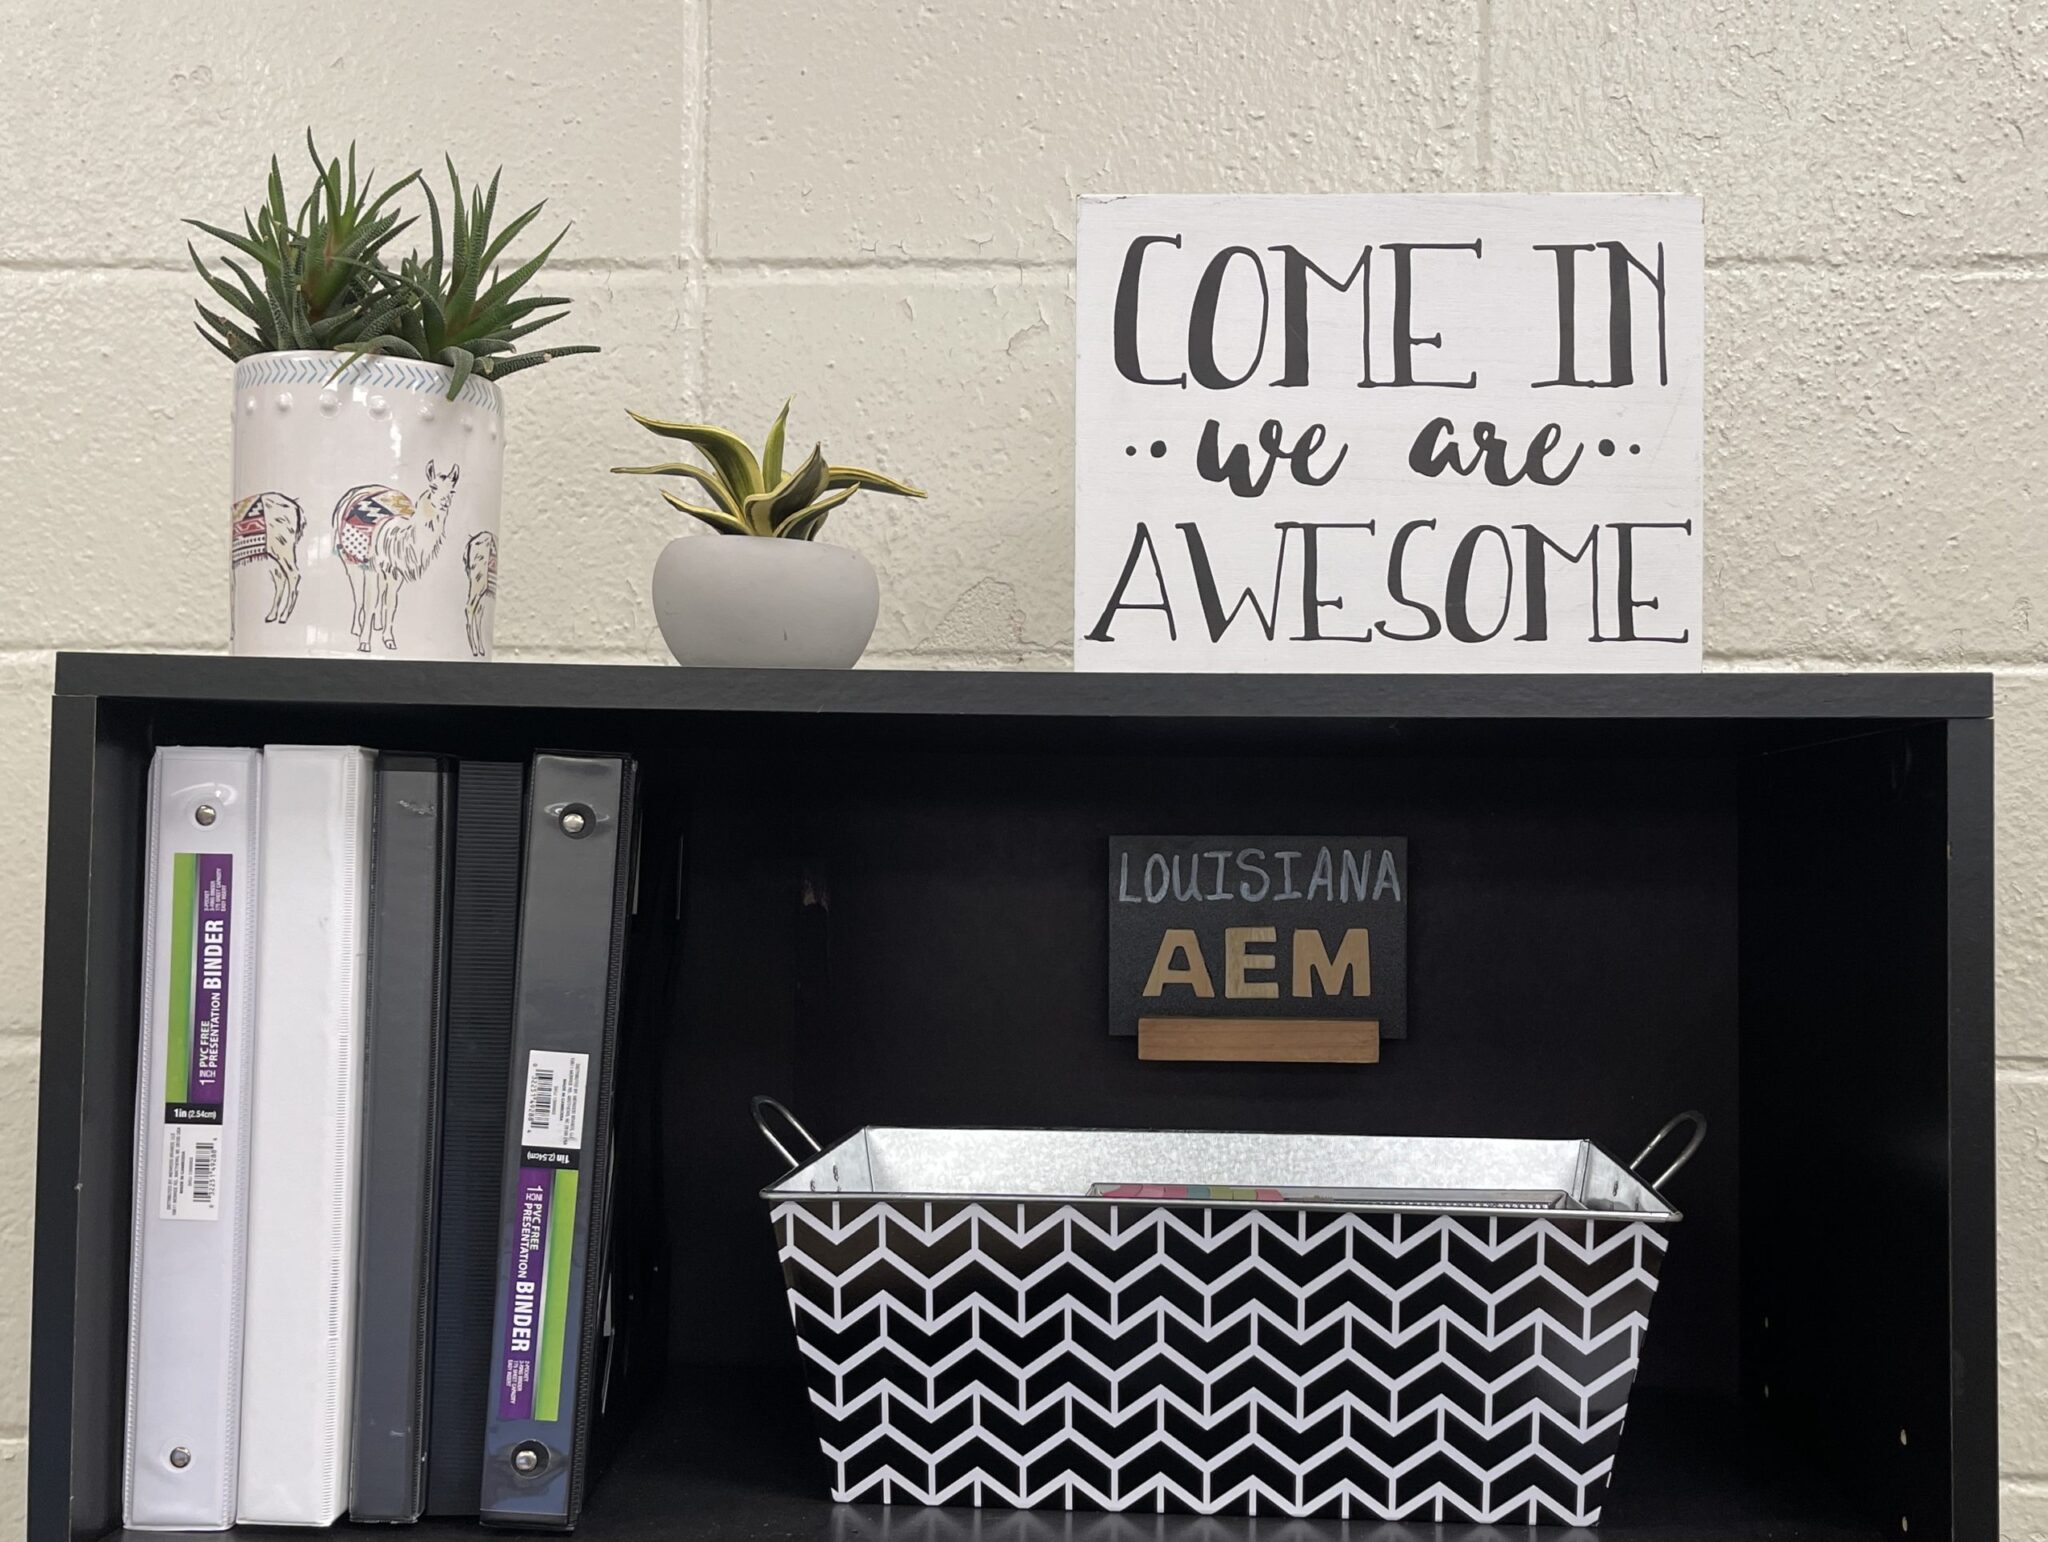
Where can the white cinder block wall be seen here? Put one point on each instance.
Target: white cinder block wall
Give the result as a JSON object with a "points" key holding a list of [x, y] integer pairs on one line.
{"points": [[870, 203]]}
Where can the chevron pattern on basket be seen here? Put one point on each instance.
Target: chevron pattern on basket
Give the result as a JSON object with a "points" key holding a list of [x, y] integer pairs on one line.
{"points": [[387, 374], [1218, 1360]]}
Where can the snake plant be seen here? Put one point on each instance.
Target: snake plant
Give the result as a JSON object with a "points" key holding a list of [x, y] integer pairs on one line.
{"points": [[750, 494], [315, 267]]}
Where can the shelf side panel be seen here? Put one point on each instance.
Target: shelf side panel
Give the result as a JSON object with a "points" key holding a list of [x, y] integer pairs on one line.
{"points": [[1973, 1153], [1845, 1115], [78, 1343]]}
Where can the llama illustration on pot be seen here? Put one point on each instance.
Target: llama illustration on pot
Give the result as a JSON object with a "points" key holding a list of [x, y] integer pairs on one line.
{"points": [[384, 540], [480, 564], [267, 526]]}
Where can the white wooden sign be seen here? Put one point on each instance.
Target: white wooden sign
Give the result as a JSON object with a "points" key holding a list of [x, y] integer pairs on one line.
{"points": [[1388, 434]]}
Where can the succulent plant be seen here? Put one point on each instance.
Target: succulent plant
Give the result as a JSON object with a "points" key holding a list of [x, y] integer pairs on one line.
{"points": [[316, 288], [750, 495], [456, 308], [324, 283]]}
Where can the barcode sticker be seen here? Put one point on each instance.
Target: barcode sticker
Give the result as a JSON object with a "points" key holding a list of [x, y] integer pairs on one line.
{"points": [[554, 1100], [191, 1175]]}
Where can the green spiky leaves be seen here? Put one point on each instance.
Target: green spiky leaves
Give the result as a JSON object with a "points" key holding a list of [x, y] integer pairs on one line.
{"points": [[319, 279], [459, 307], [742, 494], [306, 279]]}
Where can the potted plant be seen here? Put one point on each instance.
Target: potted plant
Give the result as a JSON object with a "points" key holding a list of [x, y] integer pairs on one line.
{"points": [[368, 428], [777, 597]]}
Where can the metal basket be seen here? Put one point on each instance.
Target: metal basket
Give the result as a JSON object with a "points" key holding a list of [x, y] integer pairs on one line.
{"points": [[1395, 1328]]}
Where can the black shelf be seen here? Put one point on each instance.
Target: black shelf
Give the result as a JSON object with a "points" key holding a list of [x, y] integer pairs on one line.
{"points": [[733, 1457], [637, 688], [1766, 894]]}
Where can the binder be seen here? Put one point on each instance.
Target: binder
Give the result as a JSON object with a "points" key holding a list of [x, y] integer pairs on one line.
{"points": [[548, 1305], [411, 867], [299, 1327], [192, 1092], [490, 813]]}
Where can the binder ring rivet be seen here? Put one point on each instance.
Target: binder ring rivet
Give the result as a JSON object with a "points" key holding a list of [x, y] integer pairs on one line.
{"points": [[205, 815], [575, 820], [180, 1457], [528, 1459]]}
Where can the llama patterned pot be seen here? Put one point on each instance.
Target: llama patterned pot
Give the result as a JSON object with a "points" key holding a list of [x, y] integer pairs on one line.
{"points": [[364, 520]]}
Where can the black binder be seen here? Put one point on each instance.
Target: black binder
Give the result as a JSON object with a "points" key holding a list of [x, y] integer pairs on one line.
{"points": [[412, 866], [490, 814], [549, 1301]]}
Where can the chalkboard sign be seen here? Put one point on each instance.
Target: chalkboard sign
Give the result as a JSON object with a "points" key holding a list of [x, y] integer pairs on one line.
{"points": [[1388, 433], [1267, 947]]}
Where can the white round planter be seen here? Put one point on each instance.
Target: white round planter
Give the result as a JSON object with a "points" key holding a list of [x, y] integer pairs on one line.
{"points": [[365, 509], [758, 602]]}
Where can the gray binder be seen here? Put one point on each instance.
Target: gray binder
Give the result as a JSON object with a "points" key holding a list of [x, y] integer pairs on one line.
{"points": [[411, 874], [548, 1305], [490, 820]]}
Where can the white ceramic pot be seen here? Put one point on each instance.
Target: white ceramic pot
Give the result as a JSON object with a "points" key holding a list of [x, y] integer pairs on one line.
{"points": [[763, 603], [365, 509]]}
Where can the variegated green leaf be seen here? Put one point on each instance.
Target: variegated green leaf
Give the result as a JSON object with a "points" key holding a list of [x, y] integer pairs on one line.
{"points": [[722, 522], [873, 481], [710, 481], [771, 451], [727, 451], [766, 510], [807, 522]]}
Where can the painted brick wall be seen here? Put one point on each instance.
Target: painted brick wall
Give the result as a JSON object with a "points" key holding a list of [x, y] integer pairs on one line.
{"points": [[871, 201]]}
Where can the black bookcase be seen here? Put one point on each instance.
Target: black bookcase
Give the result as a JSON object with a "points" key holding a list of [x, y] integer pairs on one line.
{"points": [[1765, 895]]}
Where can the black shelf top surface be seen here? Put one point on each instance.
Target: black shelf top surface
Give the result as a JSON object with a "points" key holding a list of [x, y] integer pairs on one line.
{"points": [[732, 1456], [1722, 696]]}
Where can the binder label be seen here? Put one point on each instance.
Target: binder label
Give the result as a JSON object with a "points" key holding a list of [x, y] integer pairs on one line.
{"points": [[537, 1303], [196, 1034], [554, 1100], [544, 1228]]}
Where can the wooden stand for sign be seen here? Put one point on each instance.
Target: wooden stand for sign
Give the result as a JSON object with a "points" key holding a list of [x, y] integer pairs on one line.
{"points": [[1320, 1041], [1768, 897]]}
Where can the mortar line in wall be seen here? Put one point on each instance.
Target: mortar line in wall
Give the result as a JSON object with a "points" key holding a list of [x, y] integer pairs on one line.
{"points": [[2021, 264], [582, 263], [980, 276], [690, 136], [696, 128], [1485, 93], [1723, 660], [1992, 265], [875, 263]]}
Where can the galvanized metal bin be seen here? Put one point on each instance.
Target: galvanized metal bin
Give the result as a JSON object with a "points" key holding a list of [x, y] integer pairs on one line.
{"points": [[1395, 1328]]}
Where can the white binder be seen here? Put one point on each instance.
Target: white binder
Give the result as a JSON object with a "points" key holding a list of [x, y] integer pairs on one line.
{"points": [[192, 1089], [298, 1337]]}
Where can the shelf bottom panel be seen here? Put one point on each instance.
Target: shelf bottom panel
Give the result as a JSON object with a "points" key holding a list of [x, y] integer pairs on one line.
{"points": [[731, 1455]]}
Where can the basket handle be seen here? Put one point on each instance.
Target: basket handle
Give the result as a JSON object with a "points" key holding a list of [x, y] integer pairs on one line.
{"points": [[1691, 1116], [761, 1106]]}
